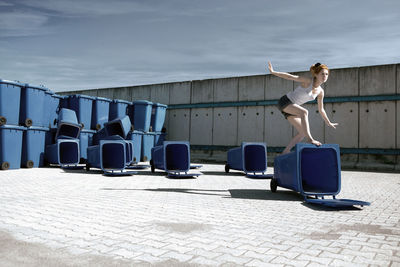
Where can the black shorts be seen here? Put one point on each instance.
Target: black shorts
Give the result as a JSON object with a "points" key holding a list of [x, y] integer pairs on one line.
{"points": [[283, 102]]}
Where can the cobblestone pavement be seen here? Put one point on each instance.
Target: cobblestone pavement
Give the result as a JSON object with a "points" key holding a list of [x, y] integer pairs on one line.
{"points": [[215, 219]]}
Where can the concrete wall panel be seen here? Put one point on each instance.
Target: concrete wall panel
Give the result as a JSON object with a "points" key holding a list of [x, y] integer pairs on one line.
{"points": [[277, 131], [202, 91], [225, 126], [226, 89], [250, 124], [123, 93], [201, 126], [316, 123], [378, 124], [342, 82], [92, 92], [159, 93], [378, 80], [107, 93], [276, 87], [179, 93], [398, 124], [346, 133], [178, 124], [140, 93], [251, 88]]}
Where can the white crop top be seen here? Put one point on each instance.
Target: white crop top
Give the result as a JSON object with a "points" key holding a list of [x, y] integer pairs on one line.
{"points": [[302, 95]]}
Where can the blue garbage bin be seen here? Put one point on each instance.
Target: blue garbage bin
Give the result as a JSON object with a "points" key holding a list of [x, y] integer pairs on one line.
{"points": [[11, 146], [100, 111], [159, 138], [32, 108], [48, 112], [120, 126], [136, 138], [64, 152], [10, 95], [314, 172], [118, 109], [140, 114], [67, 124], [85, 140], [82, 105], [171, 156], [251, 158], [158, 116], [109, 155], [33, 146], [56, 102], [147, 145]]}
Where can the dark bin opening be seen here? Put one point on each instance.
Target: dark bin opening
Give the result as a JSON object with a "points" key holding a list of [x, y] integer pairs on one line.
{"points": [[114, 129], [255, 158], [319, 170], [69, 152], [177, 157], [113, 156], [69, 130]]}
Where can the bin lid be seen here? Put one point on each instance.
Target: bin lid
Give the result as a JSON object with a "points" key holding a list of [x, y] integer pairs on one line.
{"points": [[39, 87], [37, 128], [160, 105], [337, 203], [59, 96], [149, 133], [103, 99], [88, 131], [13, 127], [49, 92], [83, 96], [121, 101], [142, 102], [11, 82]]}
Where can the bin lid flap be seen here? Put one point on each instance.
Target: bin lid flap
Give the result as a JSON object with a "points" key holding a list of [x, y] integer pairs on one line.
{"points": [[13, 127], [103, 99], [59, 96], [159, 105], [40, 87], [121, 101], [83, 96], [337, 203], [11, 82], [49, 92], [142, 102], [36, 128]]}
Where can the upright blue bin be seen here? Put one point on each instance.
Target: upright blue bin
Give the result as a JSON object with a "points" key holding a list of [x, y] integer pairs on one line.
{"points": [[10, 94], [140, 115], [147, 145], [159, 138], [251, 158], [118, 109], [120, 126], [32, 108], [48, 112], [85, 140], [136, 138], [55, 104], [82, 105], [67, 124], [10, 146], [158, 116], [33, 147], [100, 111], [109, 155], [314, 172], [65, 152]]}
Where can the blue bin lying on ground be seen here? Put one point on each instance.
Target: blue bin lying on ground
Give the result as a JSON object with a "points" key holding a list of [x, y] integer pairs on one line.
{"points": [[67, 124], [100, 112], [10, 146], [251, 158], [33, 146], [85, 140], [140, 114], [32, 108], [65, 152], [158, 116], [159, 138], [10, 94], [82, 105], [172, 157], [314, 172], [118, 109]]}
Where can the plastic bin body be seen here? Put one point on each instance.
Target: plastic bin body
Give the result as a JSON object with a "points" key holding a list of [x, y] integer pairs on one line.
{"points": [[10, 94], [159, 138], [140, 114], [53, 109], [64, 152], [32, 108], [147, 145], [67, 124], [172, 156], [158, 116], [11, 146], [109, 155], [33, 147], [48, 108], [85, 140], [136, 138], [129, 152], [120, 126], [82, 105], [249, 157], [100, 111], [118, 109]]}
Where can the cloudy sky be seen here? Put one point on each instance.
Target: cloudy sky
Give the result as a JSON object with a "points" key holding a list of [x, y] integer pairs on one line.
{"points": [[85, 44]]}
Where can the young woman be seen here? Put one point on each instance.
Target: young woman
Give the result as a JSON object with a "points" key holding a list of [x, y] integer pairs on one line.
{"points": [[290, 104]]}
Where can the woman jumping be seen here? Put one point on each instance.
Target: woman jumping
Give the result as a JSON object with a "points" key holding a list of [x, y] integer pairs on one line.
{"points": [[290, 104]]}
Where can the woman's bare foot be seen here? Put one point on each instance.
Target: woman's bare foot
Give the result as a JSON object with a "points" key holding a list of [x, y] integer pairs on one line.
{"points": [[314, 142]]}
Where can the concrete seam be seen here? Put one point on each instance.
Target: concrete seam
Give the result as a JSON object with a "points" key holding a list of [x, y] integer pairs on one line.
{"points": [[359, 113], [190, 111]]}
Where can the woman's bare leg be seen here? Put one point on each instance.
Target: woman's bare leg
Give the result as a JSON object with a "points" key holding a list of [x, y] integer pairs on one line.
{"points": [[296, 122]]}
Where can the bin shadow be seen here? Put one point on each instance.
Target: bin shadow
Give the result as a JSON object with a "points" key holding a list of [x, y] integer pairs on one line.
{"points": [[317, 207], [223, 173]]}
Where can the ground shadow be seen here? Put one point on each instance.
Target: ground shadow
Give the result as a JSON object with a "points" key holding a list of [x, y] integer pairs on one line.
{"points": [[327, 208], [223, 173]]}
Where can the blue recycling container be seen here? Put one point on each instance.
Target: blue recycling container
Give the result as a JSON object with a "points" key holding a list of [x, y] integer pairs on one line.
{"points": [[136, 138], [251, 158], [159, 138], [82, 105], [33, 147], [120, 126], [100, 111], [158, 116], [55, 104], [109, 155], [118, 109], [85, 140], [140, 115], [313, 172], [129, 152], [67, 124], [172, 156], [147, 145], [11, 146], [32, 107], [48, 112], [10, 94], [64, 152]]}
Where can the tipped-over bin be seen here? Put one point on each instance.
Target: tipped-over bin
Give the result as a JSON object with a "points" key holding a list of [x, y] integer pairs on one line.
{"points": [[65, 152]]}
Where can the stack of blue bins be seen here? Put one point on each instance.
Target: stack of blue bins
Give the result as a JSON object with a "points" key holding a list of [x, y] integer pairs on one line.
{"points": [[65, 150], [314, 172]]}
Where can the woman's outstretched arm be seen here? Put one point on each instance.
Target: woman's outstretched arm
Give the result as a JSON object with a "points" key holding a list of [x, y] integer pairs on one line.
{"points": [[288, 76], [322, 112]]}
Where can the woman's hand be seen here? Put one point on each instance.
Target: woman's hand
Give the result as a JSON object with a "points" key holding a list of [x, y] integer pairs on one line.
{"points": [[333, 125], [270, 67]]}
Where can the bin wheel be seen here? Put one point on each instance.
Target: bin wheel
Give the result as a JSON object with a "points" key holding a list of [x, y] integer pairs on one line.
{"points": [[145, 158], [273, 185], [29, 164], [87, 167], [3, 120], [82, 125], [226, 168], [28, 122], [98, 126], [5, 165], [152, 166]]}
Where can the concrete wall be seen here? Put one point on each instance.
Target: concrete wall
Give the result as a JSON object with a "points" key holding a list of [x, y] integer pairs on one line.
{"points": [[362, 124]]}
